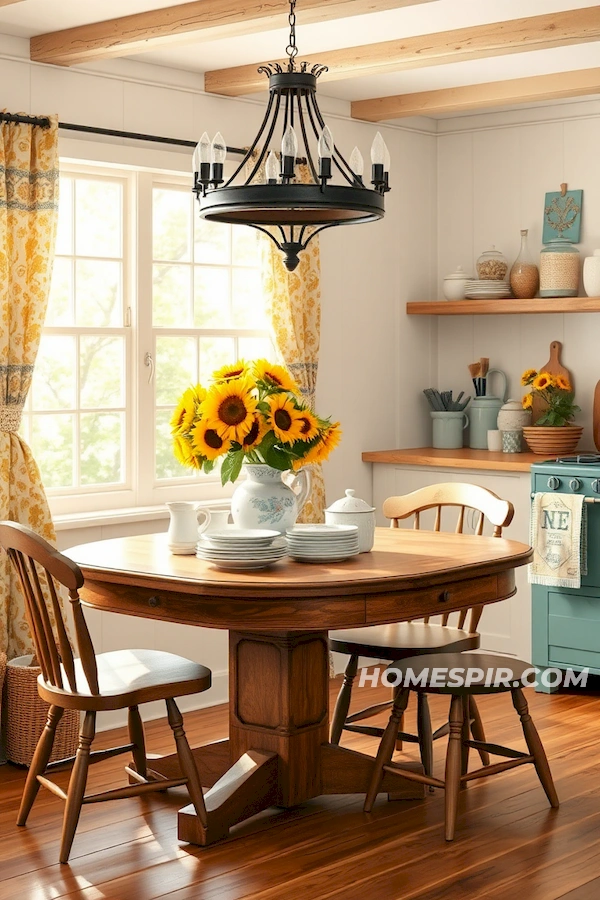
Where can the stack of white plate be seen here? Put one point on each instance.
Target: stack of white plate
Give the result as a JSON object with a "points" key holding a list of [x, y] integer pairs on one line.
{"points": [[241, 548], [322, 543], [476, 289]]}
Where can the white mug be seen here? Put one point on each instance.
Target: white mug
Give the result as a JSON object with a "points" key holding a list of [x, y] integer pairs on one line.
{"points": [[494, 441], [217, 520], [182, 533]]}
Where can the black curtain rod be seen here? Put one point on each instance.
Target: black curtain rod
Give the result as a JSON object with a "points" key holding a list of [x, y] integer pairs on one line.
{"points": [[43, 122]]}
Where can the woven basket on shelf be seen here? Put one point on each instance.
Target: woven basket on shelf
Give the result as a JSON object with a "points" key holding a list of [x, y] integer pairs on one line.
{"points": [[2, 673], [26, 715]]}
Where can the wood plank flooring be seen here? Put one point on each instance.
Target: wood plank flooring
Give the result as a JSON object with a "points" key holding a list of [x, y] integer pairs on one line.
{"points": [[509, 843]]}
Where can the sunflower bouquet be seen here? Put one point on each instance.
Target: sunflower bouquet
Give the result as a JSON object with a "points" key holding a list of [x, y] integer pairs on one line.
{"points": [[557, 393], [249, 412]]}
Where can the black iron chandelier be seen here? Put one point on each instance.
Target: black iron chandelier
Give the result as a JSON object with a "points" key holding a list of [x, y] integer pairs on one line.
{"points": [[263, 191]]}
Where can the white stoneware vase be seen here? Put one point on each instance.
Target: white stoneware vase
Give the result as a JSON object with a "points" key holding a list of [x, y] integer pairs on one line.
{"points": [[591, 274], [264, 500], [350, 510]]}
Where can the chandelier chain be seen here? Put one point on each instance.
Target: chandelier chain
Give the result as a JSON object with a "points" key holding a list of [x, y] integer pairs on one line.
{"points": [[291, 49]]}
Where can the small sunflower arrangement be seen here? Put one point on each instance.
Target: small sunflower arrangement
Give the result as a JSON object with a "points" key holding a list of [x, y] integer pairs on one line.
{"points": [[557, 393], [253, 412]]}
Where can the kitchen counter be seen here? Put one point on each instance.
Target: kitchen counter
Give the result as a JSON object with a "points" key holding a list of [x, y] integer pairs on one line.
{"points": [[454, 459]]}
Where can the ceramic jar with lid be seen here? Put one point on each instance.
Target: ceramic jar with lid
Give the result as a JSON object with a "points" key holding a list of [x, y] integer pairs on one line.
{"points": [[559, 269], [512, 416], [591, 274], [492, 266], [350, 510], [455, 284]]}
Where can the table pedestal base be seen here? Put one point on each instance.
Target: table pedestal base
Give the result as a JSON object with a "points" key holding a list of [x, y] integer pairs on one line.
{"points": [[277, 753]]}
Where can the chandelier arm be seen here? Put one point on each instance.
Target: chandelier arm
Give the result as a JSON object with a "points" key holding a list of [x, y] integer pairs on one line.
{"points": [[249, 153], [336, 156], [305, 138], [264, 231], [351, 181], [282, 233], [317, 231], [266, 143]]}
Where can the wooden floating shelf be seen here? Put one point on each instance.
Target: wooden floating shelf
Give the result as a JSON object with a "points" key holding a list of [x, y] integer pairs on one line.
{"points": [[504, 307], [454, 459]]}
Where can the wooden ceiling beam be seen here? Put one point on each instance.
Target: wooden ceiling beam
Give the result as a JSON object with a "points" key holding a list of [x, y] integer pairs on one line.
{"points": [[573, 26], [556, 86], [9, 2], [202, 19]]}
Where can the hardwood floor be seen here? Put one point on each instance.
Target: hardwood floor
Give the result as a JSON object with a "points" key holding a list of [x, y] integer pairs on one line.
{"points": [[508, 844]]}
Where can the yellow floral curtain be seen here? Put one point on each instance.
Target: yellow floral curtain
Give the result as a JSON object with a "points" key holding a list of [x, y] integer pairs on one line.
{"points": [[294, 311], [28, 219]]}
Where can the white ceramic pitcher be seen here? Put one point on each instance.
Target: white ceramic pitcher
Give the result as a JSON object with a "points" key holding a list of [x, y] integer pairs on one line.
{"points": [[182, 534]]}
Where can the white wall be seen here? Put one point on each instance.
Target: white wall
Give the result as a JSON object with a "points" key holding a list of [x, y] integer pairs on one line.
{"points": [[493, 172], [374, 361]]}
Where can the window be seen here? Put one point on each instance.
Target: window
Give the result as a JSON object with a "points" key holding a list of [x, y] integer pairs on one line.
{"points": [[146, 298]]}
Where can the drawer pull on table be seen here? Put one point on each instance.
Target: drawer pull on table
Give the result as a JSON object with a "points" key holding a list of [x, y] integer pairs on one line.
{"points": [[154, 601], [444, 597]]}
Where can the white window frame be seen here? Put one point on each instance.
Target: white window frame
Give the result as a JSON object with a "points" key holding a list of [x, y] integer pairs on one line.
{"points": [[141, 169]]}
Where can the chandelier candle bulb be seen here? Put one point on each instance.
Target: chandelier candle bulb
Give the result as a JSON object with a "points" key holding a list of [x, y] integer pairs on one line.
{"points": [[272, 168], [201, 160], [357, 163], [378, 149], [218, 154], [325, 150], [289, 151]]}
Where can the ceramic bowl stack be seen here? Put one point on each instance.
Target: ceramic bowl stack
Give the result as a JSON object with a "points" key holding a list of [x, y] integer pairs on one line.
{"points": [[322, 543], [241, 548], [480, 289]]}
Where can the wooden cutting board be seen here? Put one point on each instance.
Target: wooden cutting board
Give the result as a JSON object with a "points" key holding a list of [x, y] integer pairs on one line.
{"points": [[552, 367], [596, 417]]}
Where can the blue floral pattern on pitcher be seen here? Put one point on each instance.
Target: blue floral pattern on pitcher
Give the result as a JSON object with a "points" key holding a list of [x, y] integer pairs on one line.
{"points": [[273, 509]]}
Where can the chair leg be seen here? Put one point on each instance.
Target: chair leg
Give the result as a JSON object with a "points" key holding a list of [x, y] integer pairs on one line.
{"points": [[477, 729], [136, 736], [386, 748], [342, 704], [39, 762], [77, 783], [186, 761], [464, 737], [425, 734], [453, 764], [535, 746]]}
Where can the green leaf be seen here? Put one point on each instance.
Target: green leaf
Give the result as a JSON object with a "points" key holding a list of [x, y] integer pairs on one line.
{"points": [[232, 465], [277, 458], [208, 465]]}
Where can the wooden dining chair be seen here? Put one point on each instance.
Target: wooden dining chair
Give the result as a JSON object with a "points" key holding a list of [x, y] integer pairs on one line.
{"points": [[406, 639], [485, 678], [93, 683]]}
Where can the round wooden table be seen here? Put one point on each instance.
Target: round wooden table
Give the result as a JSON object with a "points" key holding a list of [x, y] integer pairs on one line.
{"points": [[278, 618]]}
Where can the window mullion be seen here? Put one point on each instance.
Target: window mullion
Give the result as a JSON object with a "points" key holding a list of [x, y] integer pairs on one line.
{"points": [[145, 343]]}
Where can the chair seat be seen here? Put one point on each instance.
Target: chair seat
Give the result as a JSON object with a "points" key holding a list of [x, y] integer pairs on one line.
{"points": [[424, 677], [128, 678], [401, 639]]}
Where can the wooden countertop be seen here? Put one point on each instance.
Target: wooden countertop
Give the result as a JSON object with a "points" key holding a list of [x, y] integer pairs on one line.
{"points": [[454, 459]]}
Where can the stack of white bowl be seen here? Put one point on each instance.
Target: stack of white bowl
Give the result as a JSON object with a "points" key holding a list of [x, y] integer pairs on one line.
{"points": [[241, 548], [479, 289], [322, 543]]}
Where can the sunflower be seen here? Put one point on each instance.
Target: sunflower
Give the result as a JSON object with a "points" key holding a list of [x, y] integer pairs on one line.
{"points": [[322, 448], [240, 369], [278, 376], [543, 381], [255, 435], [563, 383], [285, 420], [208, 442], [185, 411], [182, 450], [527, 401], [310, 426], [528, 376], [229, 408]]}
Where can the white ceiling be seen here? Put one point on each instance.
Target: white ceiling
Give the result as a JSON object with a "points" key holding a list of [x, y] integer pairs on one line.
{"points": [[32, 17]]}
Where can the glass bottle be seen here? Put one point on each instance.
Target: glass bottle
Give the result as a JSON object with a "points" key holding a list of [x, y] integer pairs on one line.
{"points": [[559, 269], [524, 274], [492, 265]]}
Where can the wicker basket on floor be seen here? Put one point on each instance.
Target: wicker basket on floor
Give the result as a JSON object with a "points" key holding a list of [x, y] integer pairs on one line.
{"points": [[2, 673], [26, 715]]}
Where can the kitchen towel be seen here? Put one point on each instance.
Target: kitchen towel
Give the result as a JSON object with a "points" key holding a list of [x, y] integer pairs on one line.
{"points": [[559, 540]]}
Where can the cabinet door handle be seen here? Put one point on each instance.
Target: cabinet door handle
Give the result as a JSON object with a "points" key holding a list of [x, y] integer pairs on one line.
{"points": [[444, 597]]}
